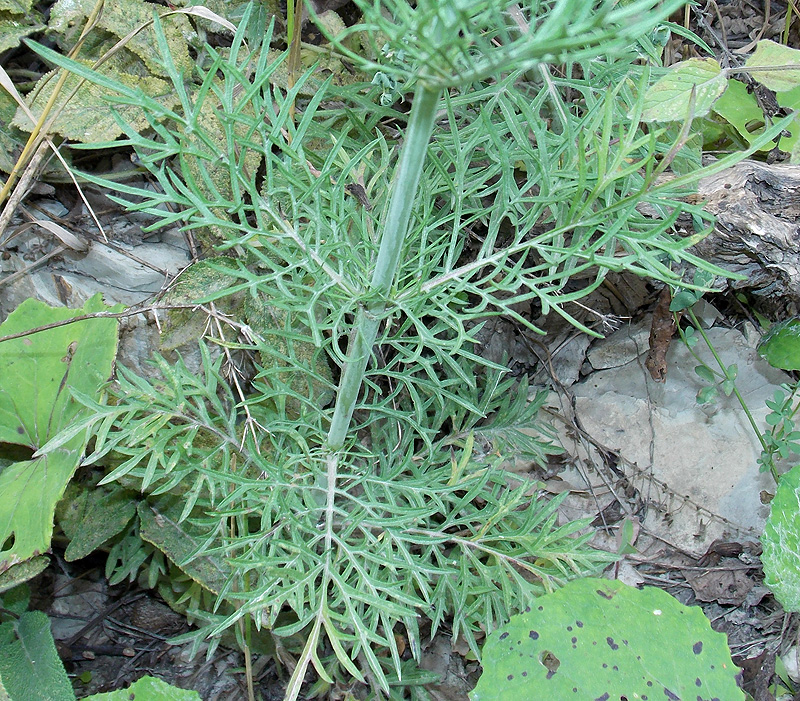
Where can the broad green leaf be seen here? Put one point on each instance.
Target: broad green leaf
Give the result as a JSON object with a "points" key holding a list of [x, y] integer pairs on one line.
{"points": [[17, 574], [37, 373], [791, 101], [30, 668], [601, 639], [148, 689], [707, 395], [11, 142], [684, 299], [670, 97], [18, 7], [705, 373], [780, 347], [91, 515], [781, 542], [88, 115], [14, 27], [16, 601], [121, 18], [769, 53], [160, 527], [740, 109], [282, 334], [200, 279]]}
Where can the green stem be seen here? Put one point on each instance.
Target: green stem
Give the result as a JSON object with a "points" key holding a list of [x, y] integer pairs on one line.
{"points": [[743, 404], [370, 314]]}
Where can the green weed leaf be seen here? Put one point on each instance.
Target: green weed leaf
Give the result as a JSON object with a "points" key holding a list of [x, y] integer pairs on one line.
{"points": [[705, 373], [698, 79], [37, 374], [148, 689], [89, 116], [120, 19], [17, 574], [160, 526], [14, 27], [780, 347], [684, 300], [91, 515], [781, 542], [601, 639], [740, 109], [17, 7], [30, 668], [769, 53], [707, 395]]}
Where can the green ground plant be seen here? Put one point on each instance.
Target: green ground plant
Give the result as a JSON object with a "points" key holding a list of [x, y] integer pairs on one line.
{"points": [[349, 494], [780, 439], [599, 638], [30, 667]]}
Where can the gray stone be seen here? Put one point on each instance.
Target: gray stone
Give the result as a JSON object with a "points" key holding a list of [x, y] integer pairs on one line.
{"points": [[704, 455]]}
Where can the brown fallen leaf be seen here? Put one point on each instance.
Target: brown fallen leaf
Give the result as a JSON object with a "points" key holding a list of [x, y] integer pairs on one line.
{"points": [[662, 329], [723, 585]]}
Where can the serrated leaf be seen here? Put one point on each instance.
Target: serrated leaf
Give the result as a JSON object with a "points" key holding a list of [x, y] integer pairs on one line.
{"points": [[601, 639], [14, 27], [160, 527], [36, 375], [88, 117], [120, 19], [780, 346], [670, 97], [18, 7], [148, 689], [30, 668], [769, 53]]}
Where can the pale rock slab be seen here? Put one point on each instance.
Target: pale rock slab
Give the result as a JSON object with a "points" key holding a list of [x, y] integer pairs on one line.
{"points": [[705, 453]]}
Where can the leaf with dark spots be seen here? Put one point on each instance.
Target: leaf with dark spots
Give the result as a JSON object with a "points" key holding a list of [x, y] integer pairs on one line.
{"points": [[619, 645]]}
